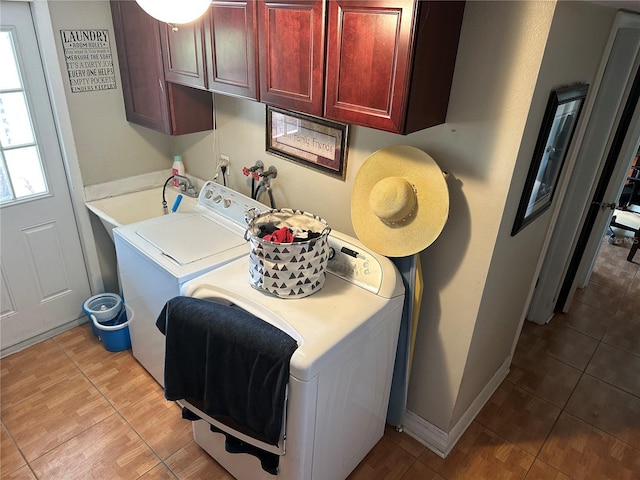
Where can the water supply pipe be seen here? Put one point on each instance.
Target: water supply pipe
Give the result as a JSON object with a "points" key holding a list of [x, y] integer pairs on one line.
{"points": [[265, 184], [254, 172]]}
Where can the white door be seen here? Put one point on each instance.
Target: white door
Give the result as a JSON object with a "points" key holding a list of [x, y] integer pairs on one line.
{"points": [[556, 283], [43, 274], [626, 147]]}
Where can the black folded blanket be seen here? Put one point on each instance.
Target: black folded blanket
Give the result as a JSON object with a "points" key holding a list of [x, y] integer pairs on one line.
{"points": [[236, 364]]}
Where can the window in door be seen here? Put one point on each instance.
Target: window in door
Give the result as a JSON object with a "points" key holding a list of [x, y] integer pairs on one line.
{"points": [[21, 171]]}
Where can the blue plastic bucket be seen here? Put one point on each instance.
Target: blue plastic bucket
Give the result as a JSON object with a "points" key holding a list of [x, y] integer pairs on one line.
{"points": [[106, 307], [115, 338]]}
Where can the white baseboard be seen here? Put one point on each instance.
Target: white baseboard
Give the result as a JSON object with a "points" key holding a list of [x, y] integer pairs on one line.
{"points": [[440, 442], [426, 433], [43, 336]]}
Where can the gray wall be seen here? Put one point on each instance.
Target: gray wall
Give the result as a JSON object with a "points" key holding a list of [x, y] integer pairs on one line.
{"points": [[503, 76]]}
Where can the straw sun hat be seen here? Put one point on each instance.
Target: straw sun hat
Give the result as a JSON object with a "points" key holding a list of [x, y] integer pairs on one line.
{"points": [[400, 201]]}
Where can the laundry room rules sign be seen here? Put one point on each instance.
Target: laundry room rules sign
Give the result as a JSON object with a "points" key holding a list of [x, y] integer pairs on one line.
{"points": [[87, 54]]}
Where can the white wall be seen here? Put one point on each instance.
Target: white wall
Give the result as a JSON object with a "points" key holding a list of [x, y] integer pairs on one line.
{"points": [[575, 46], [241, 136], [108, 147], [466, 310], [500, 52], [501, 49]]}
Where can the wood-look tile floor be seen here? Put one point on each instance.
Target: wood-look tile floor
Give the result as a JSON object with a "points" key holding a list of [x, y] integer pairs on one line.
{"points": [[569, 408]]}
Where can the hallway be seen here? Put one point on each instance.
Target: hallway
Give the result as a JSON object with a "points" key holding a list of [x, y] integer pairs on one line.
{"points": [[569, 409]]}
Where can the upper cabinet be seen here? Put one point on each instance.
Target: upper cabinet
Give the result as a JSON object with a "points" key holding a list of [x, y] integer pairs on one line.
{"points": [[390, 62], [183, 54], [384, 64], [149, 99], [291, 39], [231, 39]]}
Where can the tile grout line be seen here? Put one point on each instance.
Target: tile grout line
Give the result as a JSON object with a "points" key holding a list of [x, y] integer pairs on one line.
{"points": [[596, 426], [118, 411], [15, 444], [562, 409], [584, 372], [29, 462], [115, 408], [84, 374]]}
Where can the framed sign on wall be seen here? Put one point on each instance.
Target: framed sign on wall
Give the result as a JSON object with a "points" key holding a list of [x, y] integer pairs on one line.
{"points": [[310, 141]]}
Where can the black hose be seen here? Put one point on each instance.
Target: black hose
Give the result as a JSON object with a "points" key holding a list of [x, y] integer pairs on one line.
{"points": [[271, 200], [255, 194], [164, 202], [269, 192], [223, 168]]}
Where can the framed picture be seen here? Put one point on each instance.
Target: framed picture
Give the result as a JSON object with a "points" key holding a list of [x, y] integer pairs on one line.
{"points": [[558, 125], [310, 141]]}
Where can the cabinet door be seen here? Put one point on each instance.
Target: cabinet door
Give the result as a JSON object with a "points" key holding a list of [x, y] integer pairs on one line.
{"points": [[231, 34], [182, 50], [369, 48], [148, 99], [291, 38], [140, 58]]}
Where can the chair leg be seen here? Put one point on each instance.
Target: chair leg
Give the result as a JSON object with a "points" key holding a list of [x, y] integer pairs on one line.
{"points": [[634, 247]]}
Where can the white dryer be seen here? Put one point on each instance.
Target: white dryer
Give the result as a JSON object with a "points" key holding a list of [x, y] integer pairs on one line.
{"points": [[340, 374], [157, 256]]}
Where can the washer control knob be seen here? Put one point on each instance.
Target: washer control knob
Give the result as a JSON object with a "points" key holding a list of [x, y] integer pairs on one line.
{"points": [[217, 198], [226, 203], [208, 194]]}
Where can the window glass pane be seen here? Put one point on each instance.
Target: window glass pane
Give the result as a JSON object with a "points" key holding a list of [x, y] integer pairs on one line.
{"points": [[9, 78], [21, 171], [15, 125], [26, 173], [5, 186]]}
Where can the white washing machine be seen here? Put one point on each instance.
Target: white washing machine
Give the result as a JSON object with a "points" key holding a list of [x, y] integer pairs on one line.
{"points": [[157, 256], [340, 374]]}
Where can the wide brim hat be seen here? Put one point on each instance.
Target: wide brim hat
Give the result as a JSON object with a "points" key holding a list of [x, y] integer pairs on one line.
{"points": [[400, 201]]}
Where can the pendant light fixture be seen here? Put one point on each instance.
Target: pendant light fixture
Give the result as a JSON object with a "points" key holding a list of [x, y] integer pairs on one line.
{"points": [[175, 12]]}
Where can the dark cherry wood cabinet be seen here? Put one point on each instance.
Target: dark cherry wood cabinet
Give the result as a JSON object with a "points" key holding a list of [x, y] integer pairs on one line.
{"points": [[291, 36], [149, 99], [183, 54], [231, 48], [387, 64], [390, 62]]}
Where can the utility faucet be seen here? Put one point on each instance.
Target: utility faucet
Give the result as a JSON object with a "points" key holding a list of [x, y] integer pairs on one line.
{"points": [[186, 186]]}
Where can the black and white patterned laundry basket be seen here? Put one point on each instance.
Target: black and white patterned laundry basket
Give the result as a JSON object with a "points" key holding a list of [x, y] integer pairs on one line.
{"points": [[288, 270]]}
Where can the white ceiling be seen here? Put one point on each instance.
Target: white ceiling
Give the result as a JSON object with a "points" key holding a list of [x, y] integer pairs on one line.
{"points": [[633, 5]]}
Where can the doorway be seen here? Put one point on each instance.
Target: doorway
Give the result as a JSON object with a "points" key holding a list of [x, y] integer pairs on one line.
{"points": [[43, 273], [614, 97], [623, 150]]}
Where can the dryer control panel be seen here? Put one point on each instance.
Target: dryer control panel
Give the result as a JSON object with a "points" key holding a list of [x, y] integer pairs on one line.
{"points": [[354, 263]]}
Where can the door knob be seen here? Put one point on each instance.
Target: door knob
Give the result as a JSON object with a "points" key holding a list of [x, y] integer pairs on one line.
{"points": [[605, 205]]}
